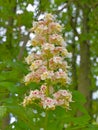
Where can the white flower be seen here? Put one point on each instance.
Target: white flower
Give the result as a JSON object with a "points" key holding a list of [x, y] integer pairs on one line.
{"points": [[36, 64], [48, 17], [29, 58], [57, 59], [35, 94], [43, 88], [28, 77], [47, 66], [49, 103], [47, 46], [47, 75]]}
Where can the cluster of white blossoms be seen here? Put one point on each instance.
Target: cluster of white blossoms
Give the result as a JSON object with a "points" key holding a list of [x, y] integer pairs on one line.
{"points": [[48, 67]]}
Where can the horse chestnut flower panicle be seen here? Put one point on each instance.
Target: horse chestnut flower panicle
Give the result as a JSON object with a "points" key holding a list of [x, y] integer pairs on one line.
{"points": [[49, 68]]}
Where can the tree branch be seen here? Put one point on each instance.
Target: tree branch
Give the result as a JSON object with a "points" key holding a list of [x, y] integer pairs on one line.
{"points": [[22, 48]]}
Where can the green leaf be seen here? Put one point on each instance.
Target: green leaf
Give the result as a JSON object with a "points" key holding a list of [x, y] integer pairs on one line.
{"points": [[3, 111]]}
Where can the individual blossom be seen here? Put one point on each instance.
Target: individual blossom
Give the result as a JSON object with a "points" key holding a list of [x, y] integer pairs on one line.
{"points": [[41, 30], [28, 78], [42, 22], [36, 64], [29, 58], [46, 89], [57, 59], [41, 69], [35, 76], [26, 101], [35, 94], [61, 51], [57, 62], [33, 56], [63, 98], [61, 77], [47, 75], [48, 18], [39, 27], [47, 50], [43, 88], [48, 103], [38, 40], [56, 39], [60, 74], [35, 25], [32, 77], [54, 28], [47, 47], [63, 94]]}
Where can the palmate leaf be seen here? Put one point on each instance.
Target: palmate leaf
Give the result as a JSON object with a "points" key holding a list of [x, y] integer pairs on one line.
{"points": [[18, 125], [10, 86], [79, 122], [22, 115], [92, 127], [3, 111], [78, 104]]}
